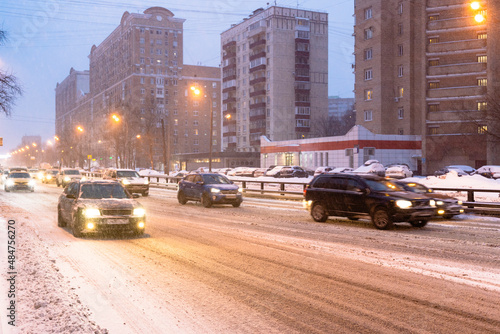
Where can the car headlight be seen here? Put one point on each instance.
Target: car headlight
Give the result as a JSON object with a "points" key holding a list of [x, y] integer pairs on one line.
{"points": [[31, 183], [214, 190], [432, 202], [459, 202], [83, 178], [403, 204], [146, 181], [139, 212], [125, 181], [67, 178], [10, 182], [439, 203], [240, 190], [49, 177], [91, 213]]}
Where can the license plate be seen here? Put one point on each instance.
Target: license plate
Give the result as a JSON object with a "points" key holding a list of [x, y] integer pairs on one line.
{"points": [[118, 221], [230, 196]]}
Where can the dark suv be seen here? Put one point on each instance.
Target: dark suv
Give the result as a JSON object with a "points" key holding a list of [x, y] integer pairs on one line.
{"points": [[357, 196], [209, 188]]}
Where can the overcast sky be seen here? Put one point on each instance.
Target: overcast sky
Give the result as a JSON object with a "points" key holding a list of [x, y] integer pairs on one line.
{"points": [[48, 37]]}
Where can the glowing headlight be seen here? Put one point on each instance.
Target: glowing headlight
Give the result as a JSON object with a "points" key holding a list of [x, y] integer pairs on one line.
{"points": [[125, 181], [31, 183], [432, 202], [139, 212], [10, 182], [146, 181], [459, 202], [441, 212], [403, 204], [214, 190], [49, 177], [92, 212], [83, 178], [240, 190], [141, 225], [90, 226], [439, 202], [67, 178]]}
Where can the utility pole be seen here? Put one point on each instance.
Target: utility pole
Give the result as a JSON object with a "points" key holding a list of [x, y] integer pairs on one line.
{"points": [[165, 162]]}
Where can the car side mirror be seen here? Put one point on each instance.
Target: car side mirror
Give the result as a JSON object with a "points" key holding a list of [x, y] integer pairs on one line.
{"points": [[70, 196], [199, 182]]}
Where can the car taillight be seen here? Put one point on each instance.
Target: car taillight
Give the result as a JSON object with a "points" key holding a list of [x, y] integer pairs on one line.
{"points": [[305, 190]]}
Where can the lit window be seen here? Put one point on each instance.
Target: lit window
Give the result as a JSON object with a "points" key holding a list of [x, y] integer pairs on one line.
{"points": [[482, 59], [482, 82], [368, 94], [433, 40], [482, 106], [434, 62], [433, 84], [482, 35], [433, 17], [433, 130], [433, 107], [482, 129], [400, 91]]}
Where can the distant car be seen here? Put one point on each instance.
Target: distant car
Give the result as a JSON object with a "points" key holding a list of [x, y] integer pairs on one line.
{"points": [[468, 169], [246, 171], [209, 189], [236, 171], [130, 179], [358, 196], [260, 172], [19, 180], [4, 176], [340, 170], [447, 206], [50, 176], [293, 171], [489, 171], [99, 205], [33, 172], [373, 167], [67, 175], [398, 171], [446, 170], [323, 169]]}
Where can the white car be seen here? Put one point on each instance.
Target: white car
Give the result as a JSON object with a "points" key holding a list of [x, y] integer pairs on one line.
{"points": [[371, 167], [398, 172], [324, 169], [489, 171], [340, 170]]}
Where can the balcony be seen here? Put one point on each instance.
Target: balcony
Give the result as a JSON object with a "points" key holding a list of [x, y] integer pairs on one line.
{"points": [[257, 80], [455, 92], [229, 55], [258, 92], [258, 43], [258, 105], [465, 68], [471, 44], [261, 67], [459, 22], [256, 31], [229, 77], [229, 99], [261, 54], [229, 44]]}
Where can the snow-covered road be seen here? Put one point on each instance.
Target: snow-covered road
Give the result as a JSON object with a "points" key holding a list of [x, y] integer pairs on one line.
{"points": [[263, 267]]}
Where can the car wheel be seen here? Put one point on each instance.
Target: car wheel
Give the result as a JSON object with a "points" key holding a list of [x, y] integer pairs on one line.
{"points": [[60, 219], [181, 198], [206, 201], [6, 189], [76, 227], [419, 223], [381, 219], [318, 213], [236, 204]]}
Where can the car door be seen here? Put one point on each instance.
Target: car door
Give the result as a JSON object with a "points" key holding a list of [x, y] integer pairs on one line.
{"points": [[355, 197], [67, 203], [187, 185], [198, 186]]}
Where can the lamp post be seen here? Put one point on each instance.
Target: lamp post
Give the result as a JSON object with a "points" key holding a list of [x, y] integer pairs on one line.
{"points": [[197, 92]]}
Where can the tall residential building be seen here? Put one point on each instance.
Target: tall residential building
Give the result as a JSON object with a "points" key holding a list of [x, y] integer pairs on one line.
{"points": [[274, 77], [338, 106], [428, 68], [138, 74]]}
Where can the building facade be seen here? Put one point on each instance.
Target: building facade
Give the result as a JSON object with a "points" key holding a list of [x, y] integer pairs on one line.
{"points": [[428, 68], [274, 77], [139, 111], [338, 106]]}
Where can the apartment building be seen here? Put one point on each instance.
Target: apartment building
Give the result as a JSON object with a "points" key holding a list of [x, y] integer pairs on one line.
{"points": [[138, 74], [422, 68], [274, 77]]}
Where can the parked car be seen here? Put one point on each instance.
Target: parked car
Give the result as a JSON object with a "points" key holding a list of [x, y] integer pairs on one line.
{"points": [[446, 170], [447, 206], [468, 169], [293, 171], [339, 170], [50, 176], [235, 171], [33, 172], [19, 180], [275, 171], [4, 175], [324, 169], [67, 175], [371, 167], [401, 171], [357, 196], [247, 171], [98, 206], [489, 171], [260, 172], [130, 179], [209, 189]]}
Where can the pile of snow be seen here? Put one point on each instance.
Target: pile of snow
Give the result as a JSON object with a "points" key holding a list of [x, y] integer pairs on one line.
{"points": [[148, 172]]}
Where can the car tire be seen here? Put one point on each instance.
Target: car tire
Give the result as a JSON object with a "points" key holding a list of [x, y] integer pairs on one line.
{"points": [[76, 227], [237, 204], [181, 198], [206, 201], [318, 213], [6, 189], [145, 194], [381, 219], [60, 219], [419, 223]]}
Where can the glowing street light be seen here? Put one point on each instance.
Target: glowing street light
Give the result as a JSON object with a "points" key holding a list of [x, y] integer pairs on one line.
{"points": [[79, 128], [115, 117], [197, 92], [475, 5]]}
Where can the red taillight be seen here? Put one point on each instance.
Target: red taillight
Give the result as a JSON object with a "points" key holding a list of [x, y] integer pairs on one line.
{"points": [[305, 190]]}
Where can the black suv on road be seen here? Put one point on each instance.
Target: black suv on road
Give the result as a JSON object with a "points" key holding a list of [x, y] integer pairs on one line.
{"points": [[209, 188], [357, 196]]}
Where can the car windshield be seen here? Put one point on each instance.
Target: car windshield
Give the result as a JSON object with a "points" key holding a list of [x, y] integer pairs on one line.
{"points": [[127, 173], [53, 172], [215, 179], [98, 191], [71, 172], [416, 188], [19, 176], [382, 185]]}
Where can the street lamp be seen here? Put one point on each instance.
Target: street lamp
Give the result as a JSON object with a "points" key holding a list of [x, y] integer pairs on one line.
{"points": [[197, 92]]}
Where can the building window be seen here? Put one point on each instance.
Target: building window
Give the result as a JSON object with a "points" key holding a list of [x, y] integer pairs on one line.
{"points": [[401, 131], [482, 35], [433, 130], [302, 123], [482, 106], [368, 94], [482, 82], [368, 54], [368, 115], [195, 132], [141, 40], [368, 13], [433, 62], [400, 92], [369, 33], [400, 71], [482, 129], [433, 107], [433, 84], [400, 50], [482, 59], [401, 113], [433, 40], [400, 8], [368, 74], [434, 17], [400, 29]]}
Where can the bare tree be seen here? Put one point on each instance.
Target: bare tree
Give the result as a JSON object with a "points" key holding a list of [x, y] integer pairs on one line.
{"points": [[336, 126], [9, 87]]}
